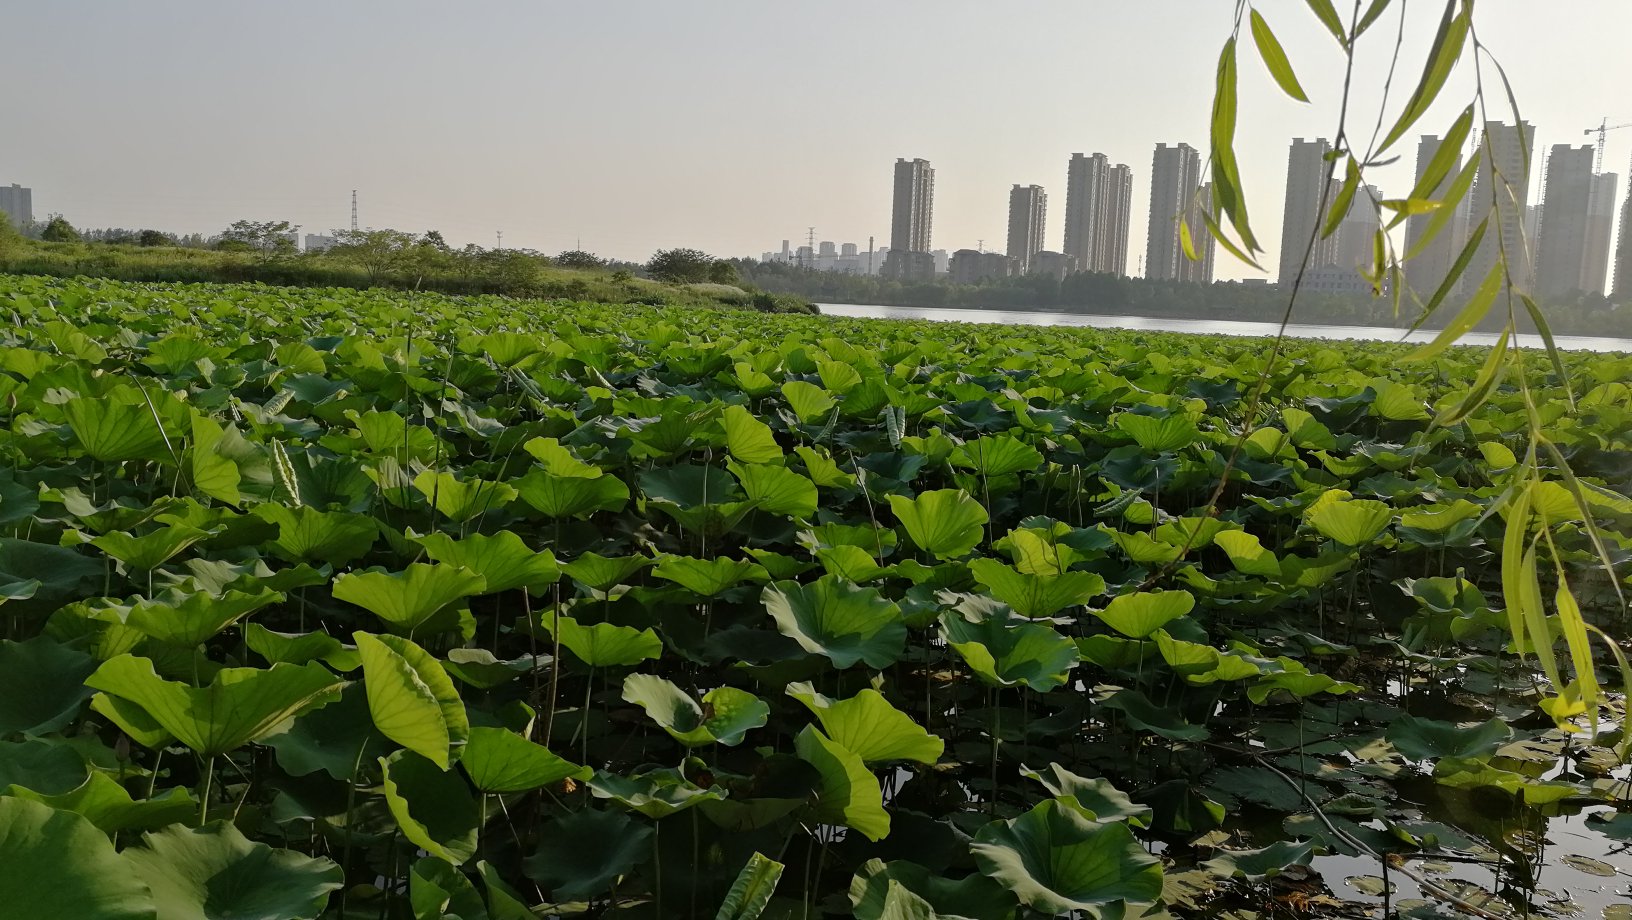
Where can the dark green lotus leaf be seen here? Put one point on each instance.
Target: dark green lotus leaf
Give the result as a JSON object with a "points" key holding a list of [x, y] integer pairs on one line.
{"points": [[877, 884], [656, 793], [237, 707], [436, 888], [1036, 596], [503, 560], [603, 573], [1431, 739], [1096, 794], [409, 601], [775, 489], [843, 621], [725, 715], [503, 901], [499, 760], [108, 805], [336, 739], [690, 486], [459, 500], [300, 648], [708, 577], [150, 550], [433, 807], [480, 668], [59, 866], [216, 873], [1143, 714], [1007, 652], [1254, 865], [42, 685], [57, 575], [847, 794], [49, 767], [947, 523], [192, 618], [1056, 858], [583, 853], [411, 698], [868, 726], [605, 645], [306, 534]]}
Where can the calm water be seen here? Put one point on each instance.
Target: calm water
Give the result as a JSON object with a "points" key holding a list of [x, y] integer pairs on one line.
{"points": [[1202, 326]]}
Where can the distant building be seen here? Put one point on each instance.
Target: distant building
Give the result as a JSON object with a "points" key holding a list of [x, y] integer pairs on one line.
{"points": [[827, 250], [907, 265], [848, 251], [1175, 183], [911, 218], [1561, 238], [943, 261], [1308, 175], [1028, 212], [318, 242], [1200, 269], [18, 204], [1098, 200], [970, 266], [1600, 227], [1334, 279], [1429, 269], [1354, 242], [1501, 190], [1623, 251], [1055, 265]]}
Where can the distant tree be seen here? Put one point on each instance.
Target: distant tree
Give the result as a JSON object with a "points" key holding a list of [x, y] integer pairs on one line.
{"points": [[270, 239], [681, 266], [59, 230], [577, 258], [433, 238], [377, 252], [155, 238], [10, 239], [723, 272]]}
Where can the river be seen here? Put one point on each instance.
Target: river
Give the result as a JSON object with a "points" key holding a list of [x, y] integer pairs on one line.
{"points": [[1200, 326]]}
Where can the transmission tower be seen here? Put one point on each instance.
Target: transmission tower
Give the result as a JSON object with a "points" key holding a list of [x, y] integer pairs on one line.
{"points": [[353, 210]]}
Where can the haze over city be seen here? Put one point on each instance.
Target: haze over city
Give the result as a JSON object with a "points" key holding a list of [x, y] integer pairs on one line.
{"points": [[631, 127]]}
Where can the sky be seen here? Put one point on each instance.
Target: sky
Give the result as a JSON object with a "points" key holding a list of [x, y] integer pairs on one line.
{"points": [[725, 125]]}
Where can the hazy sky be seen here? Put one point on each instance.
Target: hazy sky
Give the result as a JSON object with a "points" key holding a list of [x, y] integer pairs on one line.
{"points": [[719, 124]]}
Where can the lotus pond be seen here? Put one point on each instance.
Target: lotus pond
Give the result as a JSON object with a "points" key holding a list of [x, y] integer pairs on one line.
{"points": [[355, 604]]}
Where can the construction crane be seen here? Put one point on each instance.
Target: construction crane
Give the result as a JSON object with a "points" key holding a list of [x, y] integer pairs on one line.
{"points": [[1603, 130]]}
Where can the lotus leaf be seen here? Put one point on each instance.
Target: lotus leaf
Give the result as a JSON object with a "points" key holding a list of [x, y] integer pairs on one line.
{"points": [[724, 717], [502, 560], [499, 760], [583, 853], [58, 866], [215, 873], [1006, 653], [604, 645], [945, 523], [42, 685], [1431, 739], [1139, 614], [655, 793], [840, 620], [847, 794], [433, 806], [1056, 858], [868, 726], [411, 698], [878, 888], [409, 601], [1036, 595]]}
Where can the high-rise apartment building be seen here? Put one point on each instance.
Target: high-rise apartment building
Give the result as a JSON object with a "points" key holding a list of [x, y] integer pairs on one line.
{"points": [[1175, 178], [17, 203], [1501, 192], [1200, 269], [1623, 251], [1600, 227], [1307, 176], [1427, 271], [914, 205], [1561, 240], [1353, 245], [1098, 200], [1028, 209]]}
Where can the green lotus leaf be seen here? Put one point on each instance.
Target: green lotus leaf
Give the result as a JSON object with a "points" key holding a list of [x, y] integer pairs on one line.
{"points": [[499, 760], [336, 739], [1351, 522], [503, 901], [1396, 402], [192, 618], [1143, 714], [210, 461], [49, 767], [42, 685], [724, 717], [752, 890], [842, 621], [216, 873], [1431, 739], [503, 560], [656, 793], [411, 698], [16, 589], [564, 496], [1005, 653], [1056, 858], [775, 489], [878, 889], [947, 523], [1115, 653], [747, 438], [480, 668], [150, 550], [847, 793], [433, 807], [604, 645], [852, 563], [1141, 548], [306, 534], [58, 866], [868, 726], [409, 601], [603, 573], [1475, 773], [688, 485], [1002, 455], [807, 400], [459, 500], [108, 805], [1247, 554], [582, 854], [559, 461], [117, 426], [1201, 665], [823, 469], [238, 707], [1096, 794], [1158, 435], [438, 889], [42, 578], [1254, 865], [299, 648], [708, 577], [1051, 550], [1036, 596], [1299, 684]]}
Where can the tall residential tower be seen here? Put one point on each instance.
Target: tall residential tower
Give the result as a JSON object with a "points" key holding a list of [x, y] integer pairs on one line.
{"points": [[910, 223], [1307, 176], [1028, 208], [1427, 271], [1175, 181], [17, 203], [1098, 200], [1561, 238], [1501, 192]]}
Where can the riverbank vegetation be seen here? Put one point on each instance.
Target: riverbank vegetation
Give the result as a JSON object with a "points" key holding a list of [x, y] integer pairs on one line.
{"points": [[406, 605]]}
